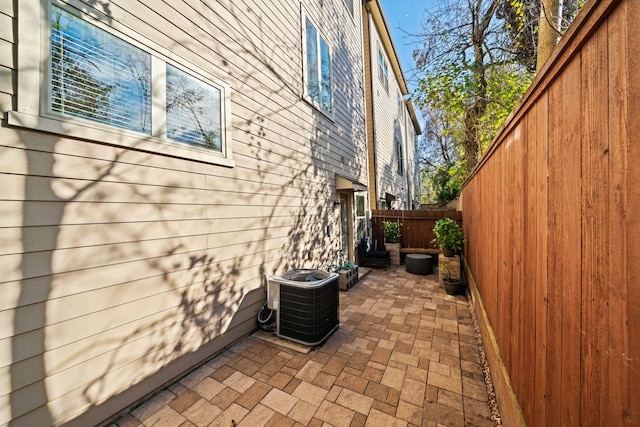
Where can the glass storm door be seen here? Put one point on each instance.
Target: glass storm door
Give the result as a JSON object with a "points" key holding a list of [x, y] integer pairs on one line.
{"points": [[344, 226]]}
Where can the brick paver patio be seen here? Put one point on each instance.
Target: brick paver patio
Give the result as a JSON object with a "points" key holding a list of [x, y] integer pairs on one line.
{"points": [[404, 355]]}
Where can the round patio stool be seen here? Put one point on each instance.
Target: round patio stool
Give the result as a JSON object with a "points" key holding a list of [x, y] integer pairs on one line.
{"points": [[419, 264]]}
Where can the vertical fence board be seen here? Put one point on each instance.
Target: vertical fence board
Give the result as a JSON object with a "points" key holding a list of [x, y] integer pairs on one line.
{"points": [[518, 229], [529, 271], [571, 242], [493, 263], [555, 308], [618, 400], [595, 237], [564, 243], [503, 290], [628, 212], [540, 208]]}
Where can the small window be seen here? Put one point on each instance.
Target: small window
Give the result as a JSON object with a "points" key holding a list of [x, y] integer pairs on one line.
{"points": [[193, 111], [400, 106], [318, 68], [383, 71], [400, 155]]}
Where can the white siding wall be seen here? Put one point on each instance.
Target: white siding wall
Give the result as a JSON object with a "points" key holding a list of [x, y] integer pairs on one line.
{"points": [[387, 123], [118, 263], [412, 166]]}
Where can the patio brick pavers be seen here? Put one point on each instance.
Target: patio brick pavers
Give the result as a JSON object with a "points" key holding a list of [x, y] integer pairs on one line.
{"points": [[404, 355]]}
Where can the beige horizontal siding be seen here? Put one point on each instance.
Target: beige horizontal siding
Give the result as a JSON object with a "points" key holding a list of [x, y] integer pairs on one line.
{"points": [[6, 8], [6, 54], [6, 102], [92, 161], [48, 238], [6, 28], [6, 89]]}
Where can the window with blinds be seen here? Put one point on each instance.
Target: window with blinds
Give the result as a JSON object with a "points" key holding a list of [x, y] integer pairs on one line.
{"points": [[193, 110], [97, 76]]}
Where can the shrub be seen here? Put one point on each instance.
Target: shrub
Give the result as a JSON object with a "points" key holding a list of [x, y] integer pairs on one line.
{"points": [[391, 231], [448, 234]]}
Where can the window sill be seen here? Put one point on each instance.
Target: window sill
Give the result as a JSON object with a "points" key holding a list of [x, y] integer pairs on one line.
{"points": [[316, 108], [103, 134]]}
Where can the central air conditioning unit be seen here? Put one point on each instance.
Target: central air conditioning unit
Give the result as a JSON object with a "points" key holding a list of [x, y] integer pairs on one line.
{"points": [[306, 304]]}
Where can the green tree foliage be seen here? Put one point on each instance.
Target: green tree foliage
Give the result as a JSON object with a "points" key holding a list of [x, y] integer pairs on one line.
{"points": [[462, 66], [446, 182], [476, 59], [442, 171], [505, 86], [522, 22]]}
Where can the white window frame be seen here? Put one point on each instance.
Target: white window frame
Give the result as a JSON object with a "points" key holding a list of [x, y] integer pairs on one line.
{"points": [[361, 220], [400, 153], [320, 36], [33, 110], [400, 106], [383, 69]]}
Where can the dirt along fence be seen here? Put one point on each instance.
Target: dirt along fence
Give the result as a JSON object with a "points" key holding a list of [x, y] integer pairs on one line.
{"points": [[417, 226], [550, 217]]}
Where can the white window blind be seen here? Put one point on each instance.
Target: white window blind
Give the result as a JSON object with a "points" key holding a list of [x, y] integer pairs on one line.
{"points": [[97, 76], [193, 110]]}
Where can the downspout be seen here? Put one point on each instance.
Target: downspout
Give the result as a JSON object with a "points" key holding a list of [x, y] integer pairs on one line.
{"points": [[372, 110]]}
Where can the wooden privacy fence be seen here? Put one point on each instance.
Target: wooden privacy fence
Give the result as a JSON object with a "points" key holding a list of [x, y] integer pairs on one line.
{"points": [[553, 231], [417, 226]]}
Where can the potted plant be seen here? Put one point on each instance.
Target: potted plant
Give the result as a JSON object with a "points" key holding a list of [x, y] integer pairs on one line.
{"points": [[449, 236], [391, 233], [452, 285]]}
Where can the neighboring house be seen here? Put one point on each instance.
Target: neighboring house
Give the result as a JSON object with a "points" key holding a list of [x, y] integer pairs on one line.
{"points": [[158, 162], [414, 188], [392, 126]]}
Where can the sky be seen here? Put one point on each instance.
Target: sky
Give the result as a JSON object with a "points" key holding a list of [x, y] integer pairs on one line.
{"points": [[405, 17]]}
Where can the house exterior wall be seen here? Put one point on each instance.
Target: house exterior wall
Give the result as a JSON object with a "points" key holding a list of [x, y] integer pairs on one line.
{"points": [[124, 267], [388, 116], [413, 129]]}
